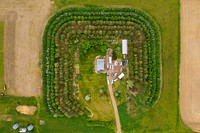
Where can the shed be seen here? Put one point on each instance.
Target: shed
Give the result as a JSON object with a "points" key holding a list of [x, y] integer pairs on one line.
{"points": [[100, 64], [22, 130], [124, 46], [87, 97], [121, 76], [30, 127], [101, 90], [15, 126]]}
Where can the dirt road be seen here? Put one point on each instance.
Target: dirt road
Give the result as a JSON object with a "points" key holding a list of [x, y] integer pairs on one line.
{"points": [[24, 24], [114, 104], [117, 119], [190, 64]]}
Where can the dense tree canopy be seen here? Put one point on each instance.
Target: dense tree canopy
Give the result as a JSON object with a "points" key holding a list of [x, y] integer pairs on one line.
{"points": [[66, 33]]}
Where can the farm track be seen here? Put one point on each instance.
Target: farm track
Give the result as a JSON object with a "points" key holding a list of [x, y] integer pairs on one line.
{"points": [[190, 62], [114, 104], [24, 24]]}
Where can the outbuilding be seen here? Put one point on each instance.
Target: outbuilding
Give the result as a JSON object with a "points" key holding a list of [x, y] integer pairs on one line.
{"points": [[100, 64], [124, 47], [87, 97], [121, 76]]}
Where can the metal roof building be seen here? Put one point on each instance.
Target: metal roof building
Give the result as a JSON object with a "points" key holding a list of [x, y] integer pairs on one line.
{"points": [[124, 46], [100, 64], [121, 76]]}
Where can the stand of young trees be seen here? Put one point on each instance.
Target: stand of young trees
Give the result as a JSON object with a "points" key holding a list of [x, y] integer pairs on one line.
{"points": [[69, 28]]}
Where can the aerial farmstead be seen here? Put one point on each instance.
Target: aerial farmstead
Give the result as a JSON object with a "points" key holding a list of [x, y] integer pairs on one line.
{"points": [[93, 67], [99, 52], [112, 67]]}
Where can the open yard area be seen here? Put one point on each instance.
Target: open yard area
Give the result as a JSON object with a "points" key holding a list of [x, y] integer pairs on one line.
{"points": [[71, 125], [91, 83], [189, 79], [9, 115]]}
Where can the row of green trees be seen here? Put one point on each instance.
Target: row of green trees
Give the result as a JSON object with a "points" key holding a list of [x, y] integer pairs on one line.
{"points": [[65, 32]]}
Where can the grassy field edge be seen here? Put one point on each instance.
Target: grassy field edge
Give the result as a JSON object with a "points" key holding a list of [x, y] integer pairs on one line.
{"points": [[2, 81]]}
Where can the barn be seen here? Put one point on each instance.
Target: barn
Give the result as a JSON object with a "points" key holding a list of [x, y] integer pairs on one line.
{"points": [[124, 47]]}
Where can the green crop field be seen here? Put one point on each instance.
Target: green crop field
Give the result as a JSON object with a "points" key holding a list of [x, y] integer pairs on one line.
{"points": [[1, 56]]}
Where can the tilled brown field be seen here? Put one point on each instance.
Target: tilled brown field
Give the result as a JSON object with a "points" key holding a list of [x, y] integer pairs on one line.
{"points": [[24, 24], [190, 64]]}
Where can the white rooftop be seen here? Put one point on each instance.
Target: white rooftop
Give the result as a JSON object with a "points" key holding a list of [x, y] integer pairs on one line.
{"points": [[121, 76], [100, 64], [87, 97], [124, 46]]}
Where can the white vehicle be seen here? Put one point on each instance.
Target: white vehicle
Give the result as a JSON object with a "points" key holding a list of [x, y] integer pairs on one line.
{"points": [[115, 63], [108, 82], [112, 67], [107, 74], [115, 79], [110, 60]]}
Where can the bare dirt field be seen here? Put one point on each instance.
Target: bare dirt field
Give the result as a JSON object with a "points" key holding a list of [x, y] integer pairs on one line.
{"points": [[27, 110], [190, 64], [24, 24]]}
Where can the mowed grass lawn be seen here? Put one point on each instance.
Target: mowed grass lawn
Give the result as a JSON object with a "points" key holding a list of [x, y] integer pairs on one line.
{"points": [[100, 104], [165, 116], [9, 115], [8, 104], [67, 125], [2, 83]]}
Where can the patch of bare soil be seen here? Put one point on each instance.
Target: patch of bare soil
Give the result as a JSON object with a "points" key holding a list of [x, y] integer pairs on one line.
{"points": [[26, 110], [24, 25], [6, 117], [190, 64]]}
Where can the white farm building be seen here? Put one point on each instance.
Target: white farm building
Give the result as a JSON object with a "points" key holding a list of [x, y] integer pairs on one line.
{"points": [[124, 46], [121, 76], [100, 64]]}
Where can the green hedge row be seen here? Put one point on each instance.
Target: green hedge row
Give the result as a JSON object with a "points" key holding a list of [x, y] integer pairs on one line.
{"points": [[51, 37]]}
